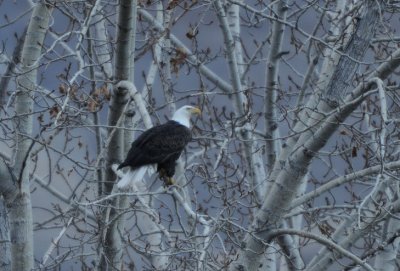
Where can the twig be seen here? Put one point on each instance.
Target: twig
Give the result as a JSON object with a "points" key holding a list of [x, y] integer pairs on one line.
{"points": [[54, 242]]}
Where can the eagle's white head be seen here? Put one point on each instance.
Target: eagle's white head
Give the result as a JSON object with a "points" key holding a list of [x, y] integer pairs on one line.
{"points": [[183, 114]]}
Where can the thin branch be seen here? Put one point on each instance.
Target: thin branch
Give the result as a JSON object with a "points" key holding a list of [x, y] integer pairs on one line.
{"points": [[328, 243]]}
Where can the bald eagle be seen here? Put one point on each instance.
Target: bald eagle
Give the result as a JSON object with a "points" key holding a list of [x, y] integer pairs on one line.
{"points": [[160, 145]]}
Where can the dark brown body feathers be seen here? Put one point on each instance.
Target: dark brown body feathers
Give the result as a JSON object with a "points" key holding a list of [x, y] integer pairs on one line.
{"points": [[161, 145]]}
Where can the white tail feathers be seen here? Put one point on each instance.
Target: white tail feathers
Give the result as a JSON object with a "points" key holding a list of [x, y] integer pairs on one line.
{"points": [[131, 176]]}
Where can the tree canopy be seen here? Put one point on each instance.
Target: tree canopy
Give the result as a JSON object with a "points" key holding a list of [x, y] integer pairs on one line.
{"points": [[293, 163]]}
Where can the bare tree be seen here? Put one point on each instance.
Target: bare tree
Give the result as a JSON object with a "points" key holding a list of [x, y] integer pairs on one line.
{"points": [[17, 190], [293, 163]]}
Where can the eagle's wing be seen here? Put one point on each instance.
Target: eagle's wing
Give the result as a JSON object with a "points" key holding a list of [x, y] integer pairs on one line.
{"points": [[169, 140], [158, 144]]}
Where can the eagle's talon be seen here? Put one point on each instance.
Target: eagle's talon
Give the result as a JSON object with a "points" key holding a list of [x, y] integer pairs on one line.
{"points": [[168, 181]]}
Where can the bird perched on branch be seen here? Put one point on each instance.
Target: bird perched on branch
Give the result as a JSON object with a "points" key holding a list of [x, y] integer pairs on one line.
{"points": [[161, 145]]}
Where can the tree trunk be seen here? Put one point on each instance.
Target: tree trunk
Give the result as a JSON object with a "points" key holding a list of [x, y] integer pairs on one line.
{"points": [[20, 209], [111, 257], [5, 243], [353, 52], [288, 179], [386, 259]]}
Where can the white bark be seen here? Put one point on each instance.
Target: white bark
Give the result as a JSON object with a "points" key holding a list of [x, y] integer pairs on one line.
{"points": [[287, 184], [111, 255], [308, 117], [290, 246], [363, 217], [5, 242], [10, 71], [343, 179], [102, 49], [119, 99], [328, 243], [164, 62], [8, 185], [324, 257], [386, 259], [241, 105], [272, 143], [233, 21], [20, 208], [339, 83]]}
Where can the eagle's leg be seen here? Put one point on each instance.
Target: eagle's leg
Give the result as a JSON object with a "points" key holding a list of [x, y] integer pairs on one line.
{"points": [[167, 180], [161, 173], [164, 175]]}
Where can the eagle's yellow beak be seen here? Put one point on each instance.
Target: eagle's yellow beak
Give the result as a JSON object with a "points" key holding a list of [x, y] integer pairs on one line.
{"points": [[196, 110]]}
